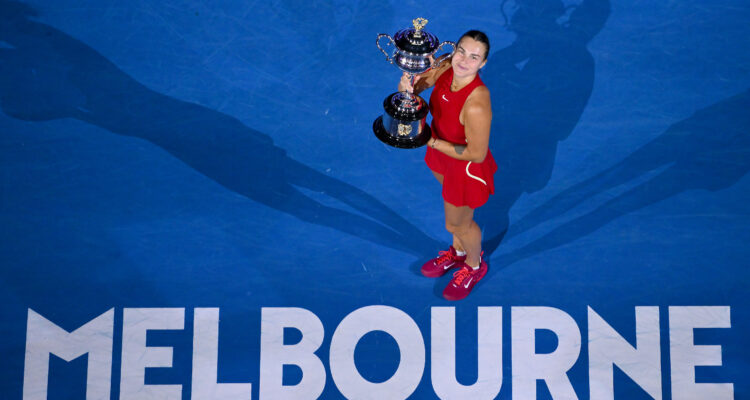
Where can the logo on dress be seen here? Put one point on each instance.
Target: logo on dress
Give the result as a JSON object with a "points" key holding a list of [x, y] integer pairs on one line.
{"points": [[444, 98]]}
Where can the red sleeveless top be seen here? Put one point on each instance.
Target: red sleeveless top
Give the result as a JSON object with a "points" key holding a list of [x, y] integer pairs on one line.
{"points": [[446, 107], [465, 183]]}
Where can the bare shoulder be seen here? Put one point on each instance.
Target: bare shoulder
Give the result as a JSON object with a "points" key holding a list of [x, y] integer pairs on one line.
{"points": [[480, 94], [479, 101], [477, 110]]}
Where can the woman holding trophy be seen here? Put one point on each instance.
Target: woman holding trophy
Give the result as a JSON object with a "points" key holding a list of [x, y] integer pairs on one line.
{"points": [[458, 155]]}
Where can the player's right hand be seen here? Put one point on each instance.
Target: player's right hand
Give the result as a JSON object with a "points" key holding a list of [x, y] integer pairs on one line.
{"points": [[405, 84]]}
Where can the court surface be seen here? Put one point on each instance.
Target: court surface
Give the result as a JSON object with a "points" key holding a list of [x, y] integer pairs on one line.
{"points": [[161, 158]]}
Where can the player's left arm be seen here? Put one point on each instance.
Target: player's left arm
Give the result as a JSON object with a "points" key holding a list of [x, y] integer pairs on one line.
{"points": [[476, 117]]}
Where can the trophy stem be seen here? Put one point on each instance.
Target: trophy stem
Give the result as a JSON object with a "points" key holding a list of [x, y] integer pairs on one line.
{"points": [[409, 99]]}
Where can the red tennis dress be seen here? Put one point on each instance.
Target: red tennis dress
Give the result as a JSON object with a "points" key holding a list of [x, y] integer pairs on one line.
{"points": [[465, 183]]}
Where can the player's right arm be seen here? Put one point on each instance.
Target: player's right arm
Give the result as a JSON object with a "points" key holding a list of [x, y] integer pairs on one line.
{"points": [[424, 80]]}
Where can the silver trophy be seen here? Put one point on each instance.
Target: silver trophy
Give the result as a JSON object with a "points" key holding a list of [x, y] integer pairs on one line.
{"points": [[403, 122]]}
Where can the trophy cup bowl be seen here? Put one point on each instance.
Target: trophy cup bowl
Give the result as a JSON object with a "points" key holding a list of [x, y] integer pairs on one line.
{"points": [[403, 124]]}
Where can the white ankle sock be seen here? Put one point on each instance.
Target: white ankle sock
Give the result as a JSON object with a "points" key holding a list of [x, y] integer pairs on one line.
{"points": [[460, 253], [477, 267]]}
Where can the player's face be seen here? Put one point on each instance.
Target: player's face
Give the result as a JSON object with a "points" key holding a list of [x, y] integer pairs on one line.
{"points": [[468, 58]]}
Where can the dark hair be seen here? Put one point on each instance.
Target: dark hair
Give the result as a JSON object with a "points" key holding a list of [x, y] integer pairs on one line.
{"points": [[480, 37]]}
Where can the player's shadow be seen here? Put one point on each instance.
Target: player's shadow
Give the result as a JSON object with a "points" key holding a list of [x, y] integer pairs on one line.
{"points": [[709, 150], [540, 85], [46, 74]]}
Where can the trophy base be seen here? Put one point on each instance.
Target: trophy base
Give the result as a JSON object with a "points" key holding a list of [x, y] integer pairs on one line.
{"points": [[402, 143]]}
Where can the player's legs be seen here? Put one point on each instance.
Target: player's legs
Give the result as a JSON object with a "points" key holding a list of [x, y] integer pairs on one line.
{"points": [[460, 222], [456, 243]]}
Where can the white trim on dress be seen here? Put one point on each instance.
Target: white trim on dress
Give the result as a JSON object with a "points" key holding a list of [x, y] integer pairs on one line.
{"points": [[472, 176]]}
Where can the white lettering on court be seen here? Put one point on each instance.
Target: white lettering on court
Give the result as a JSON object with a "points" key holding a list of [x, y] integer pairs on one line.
{"points": [[206, 361], [489, 354], [685, 355], [274, 354], [136, 356], [44, 338], [398, 325], [641, 362], [528, 366]]}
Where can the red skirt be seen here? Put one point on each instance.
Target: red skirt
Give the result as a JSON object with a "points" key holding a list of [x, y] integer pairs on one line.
{"points": [[465, 183]]}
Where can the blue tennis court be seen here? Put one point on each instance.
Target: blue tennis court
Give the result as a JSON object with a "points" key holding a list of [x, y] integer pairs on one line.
{"points": [[193, 204]]}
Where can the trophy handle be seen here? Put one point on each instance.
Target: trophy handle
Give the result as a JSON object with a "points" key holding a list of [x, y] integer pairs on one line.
{"points": [[377, 42], [439, 60]]}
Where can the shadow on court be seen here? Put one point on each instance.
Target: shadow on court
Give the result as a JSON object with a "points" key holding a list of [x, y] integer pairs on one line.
{"points": [[46, 74], [708, 151], [541, 84]]}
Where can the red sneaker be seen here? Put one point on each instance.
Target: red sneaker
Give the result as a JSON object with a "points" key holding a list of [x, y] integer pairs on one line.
{"points": [[444, 262], [463, 281]]}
